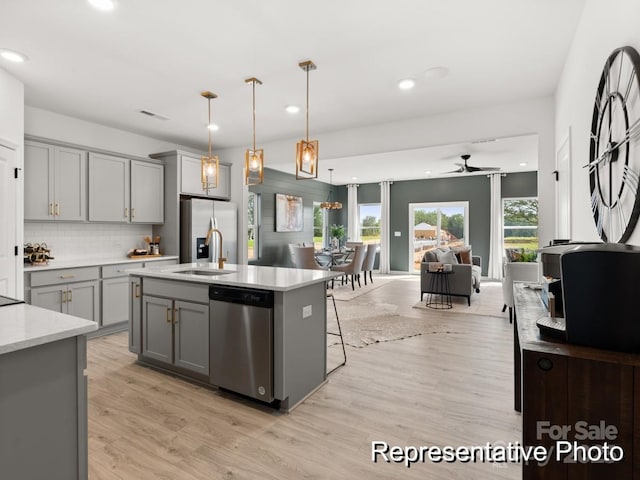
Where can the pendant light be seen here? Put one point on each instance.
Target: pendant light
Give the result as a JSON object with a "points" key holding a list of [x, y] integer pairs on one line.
{"points": [[330, 205], [253, 159], [209, 165], [307, 150]]}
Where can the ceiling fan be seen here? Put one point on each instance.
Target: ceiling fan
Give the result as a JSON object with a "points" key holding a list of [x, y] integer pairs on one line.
{"points": [[469, 168]]}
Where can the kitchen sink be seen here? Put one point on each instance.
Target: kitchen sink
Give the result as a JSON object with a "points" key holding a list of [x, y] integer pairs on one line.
{"points": [[205, 272]]}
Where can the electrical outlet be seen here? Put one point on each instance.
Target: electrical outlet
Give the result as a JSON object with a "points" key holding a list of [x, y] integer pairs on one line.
{"points": [[306, 311], [397, 234]]}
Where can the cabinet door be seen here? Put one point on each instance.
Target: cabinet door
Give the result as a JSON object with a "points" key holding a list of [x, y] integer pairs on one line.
{"points": [[191, 328], [38, 181], [191, 180], [157, 328], [108, 188], [50, 298], [82, 300], [135, 311], [147, 192], [70, 186], [115, 300]]}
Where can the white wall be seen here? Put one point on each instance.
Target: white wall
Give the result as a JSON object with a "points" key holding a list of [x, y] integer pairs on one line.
{"points": [[604, 26], [534, 116], [43, 123]]}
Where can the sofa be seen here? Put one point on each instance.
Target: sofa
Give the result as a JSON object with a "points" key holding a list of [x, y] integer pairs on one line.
{"points": [[465, 278]]}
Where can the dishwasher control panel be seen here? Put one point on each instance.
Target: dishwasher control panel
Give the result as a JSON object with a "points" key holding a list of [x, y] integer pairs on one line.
{"points": [[243, 296]]}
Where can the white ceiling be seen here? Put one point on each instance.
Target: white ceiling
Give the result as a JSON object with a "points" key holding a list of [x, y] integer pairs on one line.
{"points": [[159, 54]]}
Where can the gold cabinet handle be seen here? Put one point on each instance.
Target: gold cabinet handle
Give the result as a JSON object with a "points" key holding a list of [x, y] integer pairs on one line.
{"points": [[51, 209], [69, 296], [68, 275], [64, 296], [175, 316], [168, 314], [136, 290], [133, 213], [126, 212], [57, 209]]}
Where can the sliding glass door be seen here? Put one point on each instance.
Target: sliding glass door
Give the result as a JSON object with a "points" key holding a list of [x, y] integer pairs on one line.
{"points": [[436, 224]]}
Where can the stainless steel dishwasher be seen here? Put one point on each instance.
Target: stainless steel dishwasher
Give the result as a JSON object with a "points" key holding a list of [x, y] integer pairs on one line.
{"points": [[241, 358]]}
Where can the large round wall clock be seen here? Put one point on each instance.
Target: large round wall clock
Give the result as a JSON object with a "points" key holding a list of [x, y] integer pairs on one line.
{"points": [[614, 156]]}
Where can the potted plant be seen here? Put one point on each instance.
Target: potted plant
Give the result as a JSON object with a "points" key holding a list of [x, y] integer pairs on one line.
{"points": [[337, 233]]}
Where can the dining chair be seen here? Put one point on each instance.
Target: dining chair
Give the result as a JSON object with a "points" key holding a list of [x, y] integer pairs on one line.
{"points": [[353, 268], [369, 260], [304, 257]]}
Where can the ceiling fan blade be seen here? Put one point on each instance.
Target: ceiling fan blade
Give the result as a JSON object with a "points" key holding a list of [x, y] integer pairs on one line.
{"points": [[470, 168], [489, 169], [459, 170]]}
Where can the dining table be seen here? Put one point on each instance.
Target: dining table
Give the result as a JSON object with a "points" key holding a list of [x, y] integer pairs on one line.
{"points": [[329, 258]]}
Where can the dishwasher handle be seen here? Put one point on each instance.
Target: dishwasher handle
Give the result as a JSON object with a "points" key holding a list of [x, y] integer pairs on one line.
{"points": [[242, 296]]}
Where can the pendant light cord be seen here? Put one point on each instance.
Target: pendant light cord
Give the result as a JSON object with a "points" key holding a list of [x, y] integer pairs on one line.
{"points": [[254, 117], [209, 127], [307, 104]]}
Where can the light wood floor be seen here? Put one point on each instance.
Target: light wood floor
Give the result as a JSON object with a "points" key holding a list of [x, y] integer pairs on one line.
{"points": [[434, 389]]}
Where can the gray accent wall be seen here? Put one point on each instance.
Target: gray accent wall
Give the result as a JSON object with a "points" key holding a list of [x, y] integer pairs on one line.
{"points": [[273, 245]]}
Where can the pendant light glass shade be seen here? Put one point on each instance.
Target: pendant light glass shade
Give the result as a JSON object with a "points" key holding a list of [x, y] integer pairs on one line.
{"points": [[307, 150], [254, 158], [209, 165], [329, 204]]}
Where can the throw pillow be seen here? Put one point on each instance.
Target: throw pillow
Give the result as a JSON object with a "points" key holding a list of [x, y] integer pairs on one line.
{"points": [[447, 257], [430, 256], [464, 255]]}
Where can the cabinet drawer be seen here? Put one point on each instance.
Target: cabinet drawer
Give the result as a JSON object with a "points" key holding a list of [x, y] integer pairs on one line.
{"points": [[119, 270], [194, 292], [67, 275]]}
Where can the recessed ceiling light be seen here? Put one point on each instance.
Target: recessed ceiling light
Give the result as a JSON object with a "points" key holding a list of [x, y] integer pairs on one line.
{"points": [[523, 164], [104, 5], [406, 84], [436, 73], [13, 56], [354, 178], [213, 127], [292, 109], [428, 172]]}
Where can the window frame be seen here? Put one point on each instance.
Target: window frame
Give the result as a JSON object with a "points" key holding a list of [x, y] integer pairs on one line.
{"points": [[255, 226], [522, 227]]}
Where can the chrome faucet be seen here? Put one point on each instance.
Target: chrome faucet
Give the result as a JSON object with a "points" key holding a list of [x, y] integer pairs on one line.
{"points": [[221, 259]]}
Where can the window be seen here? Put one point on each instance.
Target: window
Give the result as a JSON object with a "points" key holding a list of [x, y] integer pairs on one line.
{"points": [[319, 226], [369, 215], [436, 224], [520, 223], [253, 214]]}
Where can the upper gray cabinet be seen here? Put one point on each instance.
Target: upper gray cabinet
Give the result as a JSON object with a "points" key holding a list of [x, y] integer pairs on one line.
{"points": [[147, 192], [190, 179], [55, 184], [126, 191], [108, 188]]}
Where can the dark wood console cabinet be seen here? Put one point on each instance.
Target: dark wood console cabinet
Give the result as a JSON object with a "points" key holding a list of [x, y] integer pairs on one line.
{"points": [[587, 392]]}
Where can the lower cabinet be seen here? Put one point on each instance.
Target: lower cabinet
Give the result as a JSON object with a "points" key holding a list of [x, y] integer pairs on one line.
{"points": [[176, 332], [78, 299], [135, 312], [115, 300]]}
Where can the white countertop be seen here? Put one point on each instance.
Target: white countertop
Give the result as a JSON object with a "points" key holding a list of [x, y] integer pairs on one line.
{"points": [[92, 262], [23, 326], [252, 276]]}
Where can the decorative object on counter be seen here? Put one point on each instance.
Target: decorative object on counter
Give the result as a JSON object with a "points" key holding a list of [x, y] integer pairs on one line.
{"points": [[209, 165], [288, 213], [37, 253], [307, 150], [254, 159], [329, 204]]}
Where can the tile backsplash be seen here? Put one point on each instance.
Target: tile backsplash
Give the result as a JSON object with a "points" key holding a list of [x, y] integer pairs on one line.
{"points": [[81, 240]]}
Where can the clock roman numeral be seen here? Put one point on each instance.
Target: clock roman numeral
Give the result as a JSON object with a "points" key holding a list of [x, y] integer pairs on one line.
{"points": [[631, 178], [630, 85]]}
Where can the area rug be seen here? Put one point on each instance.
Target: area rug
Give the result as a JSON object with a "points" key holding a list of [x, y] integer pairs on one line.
{"points": [[363, 331], [344, 293], [487, 303]]}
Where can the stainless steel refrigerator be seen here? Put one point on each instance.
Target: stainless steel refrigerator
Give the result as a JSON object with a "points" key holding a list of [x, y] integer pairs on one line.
{"points": [[197, 215]]}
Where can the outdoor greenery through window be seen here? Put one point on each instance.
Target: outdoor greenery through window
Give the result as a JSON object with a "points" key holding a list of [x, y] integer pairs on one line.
{"points": [[318, 226], [369, 215], [520, 223], [252, 227]]}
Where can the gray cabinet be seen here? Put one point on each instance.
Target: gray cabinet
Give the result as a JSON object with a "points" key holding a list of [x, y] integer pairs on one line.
{"points": [[115, 300], [78, 299], [55, 182], [147, 192], [135, 314], [191, 183], [108, 188], [176, 332], [126, 191]]}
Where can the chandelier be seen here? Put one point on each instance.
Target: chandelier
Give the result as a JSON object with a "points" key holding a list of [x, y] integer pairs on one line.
{"points": [[329, 205]]}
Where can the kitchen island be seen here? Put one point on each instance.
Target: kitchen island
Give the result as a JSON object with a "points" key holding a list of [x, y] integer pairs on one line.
{"points": [[43, 393], [257, 331]]}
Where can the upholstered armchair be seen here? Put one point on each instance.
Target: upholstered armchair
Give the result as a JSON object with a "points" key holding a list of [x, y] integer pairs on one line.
{"points": [[462, 283], [517, 272]]}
